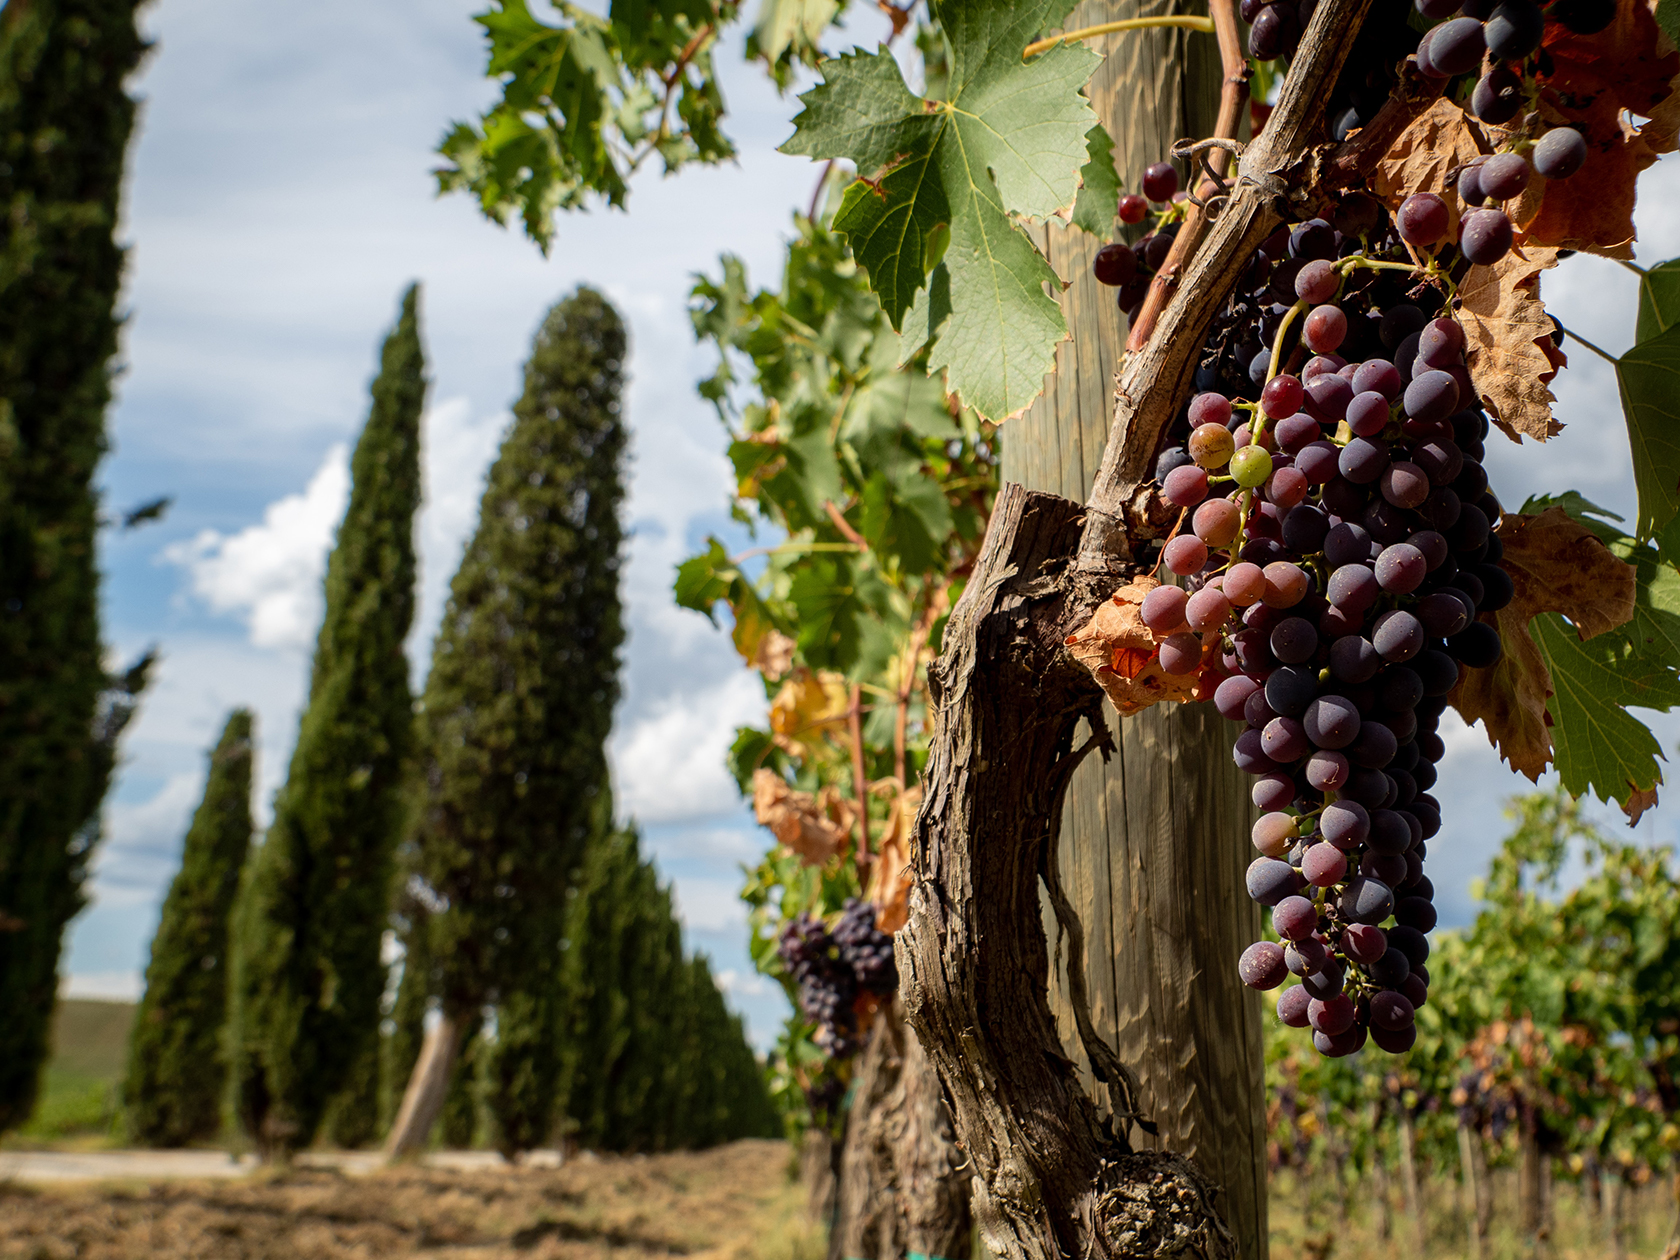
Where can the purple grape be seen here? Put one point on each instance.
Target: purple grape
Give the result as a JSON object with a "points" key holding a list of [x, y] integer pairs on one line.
{"points": [[1484, 238], [1560, 152], [1292, 1006], [1513, 30], [1262, 966], [1432, 395], [1401, 568], [1363, 459], [1456, 46], [1331, 722]]}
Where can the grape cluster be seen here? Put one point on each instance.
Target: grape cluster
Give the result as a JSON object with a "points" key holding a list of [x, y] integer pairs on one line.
{"points": [[1129, 268], [866, 949], [1341, 543], [832, 968]]}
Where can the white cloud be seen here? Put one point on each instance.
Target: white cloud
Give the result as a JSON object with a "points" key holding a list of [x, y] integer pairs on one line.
{"points": [[270, 573], [746, 984], [705, 904], [670, 764], [142, 847]]}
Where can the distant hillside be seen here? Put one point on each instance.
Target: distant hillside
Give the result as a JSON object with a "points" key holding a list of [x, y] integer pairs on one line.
{"points": [[80, 1086]]}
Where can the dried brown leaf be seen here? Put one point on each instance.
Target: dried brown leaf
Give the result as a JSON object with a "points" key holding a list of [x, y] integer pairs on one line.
{"points": [[1556, 565], [1508, 342], [1439, 141], [812, 827], [1640, 800], [891, 875]]}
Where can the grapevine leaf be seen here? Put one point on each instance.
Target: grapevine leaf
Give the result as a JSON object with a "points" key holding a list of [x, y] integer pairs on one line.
{"points": [[814, 827], [1123, 654], [1668, 18], [1008, 140], [1438, 142], [1600, 747], [1556, 564], [1099, 186], [1649, 378], [1508, 342], [1659, 295]]}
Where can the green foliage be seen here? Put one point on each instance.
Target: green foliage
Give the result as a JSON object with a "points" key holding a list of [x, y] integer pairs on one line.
{"points": [[520, 699], [944, 180], [319, 889], [1647, 376], [585, 102], [65, 122], [176, 1069], [654, 1059], [1598, 745], [1099, 186]]}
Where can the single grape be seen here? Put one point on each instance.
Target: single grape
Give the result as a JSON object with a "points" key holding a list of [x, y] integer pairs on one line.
{"points": [[1423, 219], [1415, 912], [1286, 487], [1184, 555], [1209, 408], [1456, 46], [1513, 30], [1326, 770], [1216, 522], [1353, 659], [1391, 1011], [1292, 1006], [1287, 584], [1400, 322], [1425, 62], [1304, 527], [1250, 466], [1364, 943], [1440, 343], [1328, 396], [1410, 942], [1498, 96], [1353, 588], [1295, 918], [1331, 722], [1274, 834], [1318, 281], [1273, 792], [1163, 609], [1505, 175], [1245, 584], [1185, 487], [1262, 966], [1363, 459], [1433, 395], [1385, 868], [1559, 153], [1207, 610], [1325, 328], [1397, 635], [1115, 264], [1393, 1042], [1442, 462], [1367, 414], [1290, 689], [1181, 654], [1294, 640], [1211, 445], [1367, 901], [1477, 645], [1326, 982], [1379, 376], [1133, 208], [1257, 713], [1389, 833], [1169, 459], [1282, 396], [1295, 432], [1485, 236], [1333, 1017], [1469, 185], [1232, 693], [1155, 249], [1306, 957], [1346, 543], [1497, 587], [1323, 864], [1160, 181]]}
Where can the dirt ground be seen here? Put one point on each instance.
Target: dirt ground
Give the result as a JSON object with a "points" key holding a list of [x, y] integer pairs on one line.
{"points": [[733, 1203]]}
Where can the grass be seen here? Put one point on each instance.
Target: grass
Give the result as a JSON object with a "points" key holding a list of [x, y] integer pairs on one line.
{"points": [[1306, 1222], [82, 1082]]}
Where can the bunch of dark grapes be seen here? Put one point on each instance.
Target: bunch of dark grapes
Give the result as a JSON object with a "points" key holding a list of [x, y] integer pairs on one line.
{"points": [[866, 949], [831, 968], [1340, 541], [1129, 268], [827, 985]]}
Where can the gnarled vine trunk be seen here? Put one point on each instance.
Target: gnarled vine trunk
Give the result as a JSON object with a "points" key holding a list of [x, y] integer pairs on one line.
{"points": [[1052, 1178]]}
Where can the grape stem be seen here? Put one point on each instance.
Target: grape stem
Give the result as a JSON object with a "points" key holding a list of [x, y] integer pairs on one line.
{"points": [[1187, 21], [1601, 353]]}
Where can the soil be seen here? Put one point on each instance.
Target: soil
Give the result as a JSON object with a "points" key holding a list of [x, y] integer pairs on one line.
{"points": [[735, 1202]]}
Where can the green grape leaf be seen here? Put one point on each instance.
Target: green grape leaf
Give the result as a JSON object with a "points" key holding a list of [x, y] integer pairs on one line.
{"points": [[1668, 17], [1659, 297], [1599, 746], [1649, 378], [1008, 141], [1099, 187]]}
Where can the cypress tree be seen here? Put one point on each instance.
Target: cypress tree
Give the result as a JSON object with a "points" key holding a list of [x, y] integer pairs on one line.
{"points": [[319, 890], [176, 1072], [654, 1059], [516, 714], [65, 122]]}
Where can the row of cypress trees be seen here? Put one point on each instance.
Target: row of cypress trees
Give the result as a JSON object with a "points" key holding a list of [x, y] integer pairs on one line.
{"points": [[480, 828]]}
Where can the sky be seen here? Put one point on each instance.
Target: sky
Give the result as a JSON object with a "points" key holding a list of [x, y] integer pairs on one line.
{"points": [[279, 201]]}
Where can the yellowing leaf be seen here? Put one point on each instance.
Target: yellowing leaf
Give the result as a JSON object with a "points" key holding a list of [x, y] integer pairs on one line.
{"points": [[809, 707], [813, 827]]}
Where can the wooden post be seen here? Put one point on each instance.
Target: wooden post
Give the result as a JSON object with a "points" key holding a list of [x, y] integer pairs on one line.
{"points": [[1154, 841]]}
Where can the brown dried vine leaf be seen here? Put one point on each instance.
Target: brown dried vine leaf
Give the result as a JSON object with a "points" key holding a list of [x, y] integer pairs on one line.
{"points": [[809, 707], [1600, 84], [1122, 654], [1439, 141], [1508, 342], [814, 827], [1556, 565], [891, 875]]}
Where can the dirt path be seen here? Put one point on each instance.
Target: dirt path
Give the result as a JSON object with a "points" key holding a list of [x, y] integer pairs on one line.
{"points": [[53, 1166], [733, 1203]]}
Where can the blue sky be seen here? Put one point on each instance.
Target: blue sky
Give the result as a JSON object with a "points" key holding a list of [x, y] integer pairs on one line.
{"points": [[279, 201]]}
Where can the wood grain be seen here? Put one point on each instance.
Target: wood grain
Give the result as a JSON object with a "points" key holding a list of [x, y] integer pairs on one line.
{"points": [[1153, 841]]}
